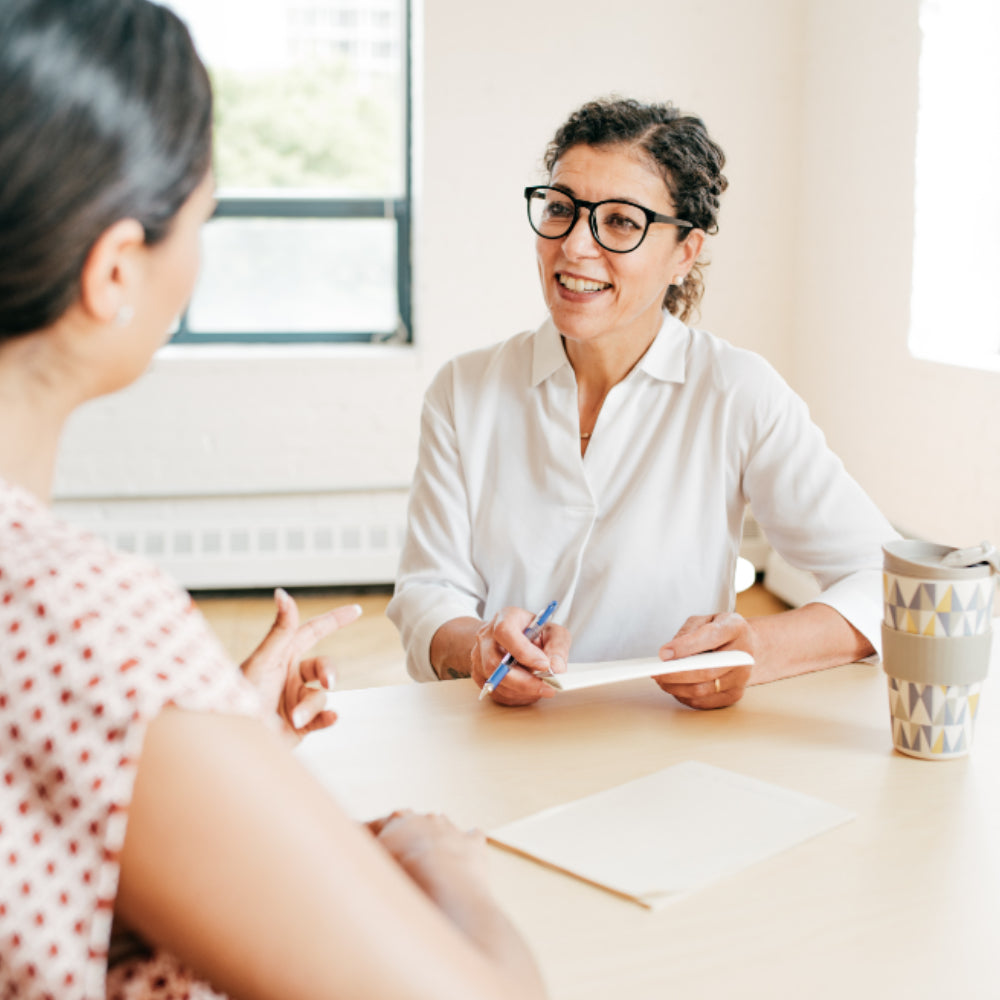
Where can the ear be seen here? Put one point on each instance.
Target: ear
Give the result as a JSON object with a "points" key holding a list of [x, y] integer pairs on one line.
{"points": [[691, 248], [111, 272]]}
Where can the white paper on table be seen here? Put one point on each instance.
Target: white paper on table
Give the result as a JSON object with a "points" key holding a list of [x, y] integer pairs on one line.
{"points": [[657, 838], [584, 675]]}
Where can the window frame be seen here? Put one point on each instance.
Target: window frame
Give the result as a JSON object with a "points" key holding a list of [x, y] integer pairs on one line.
{"points": [[312, 206]]}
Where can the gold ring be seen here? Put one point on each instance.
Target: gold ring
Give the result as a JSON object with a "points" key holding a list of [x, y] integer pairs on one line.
{"points": [[718, 686]]}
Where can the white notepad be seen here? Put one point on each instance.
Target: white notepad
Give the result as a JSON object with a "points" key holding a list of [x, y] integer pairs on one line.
{"points": [[584, 675], [658, 838]]}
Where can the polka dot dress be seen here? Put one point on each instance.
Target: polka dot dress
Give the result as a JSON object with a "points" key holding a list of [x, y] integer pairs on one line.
{"points": [[93, 644]]}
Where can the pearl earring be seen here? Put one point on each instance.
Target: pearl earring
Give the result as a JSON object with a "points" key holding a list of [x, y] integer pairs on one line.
{"points": [[124, 315], [679, 279]]}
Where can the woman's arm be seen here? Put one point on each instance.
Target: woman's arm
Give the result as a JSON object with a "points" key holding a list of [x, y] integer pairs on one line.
{"points": [[799, 641], [451, 648], [820, 520], [238, 862]]}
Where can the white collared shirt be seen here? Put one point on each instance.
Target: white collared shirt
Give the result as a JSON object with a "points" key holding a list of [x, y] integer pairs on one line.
{"points": [[642, 531]]}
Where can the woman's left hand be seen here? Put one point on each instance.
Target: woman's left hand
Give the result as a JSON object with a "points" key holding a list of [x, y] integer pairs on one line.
{"points": [[297, 687], [717, 688]]}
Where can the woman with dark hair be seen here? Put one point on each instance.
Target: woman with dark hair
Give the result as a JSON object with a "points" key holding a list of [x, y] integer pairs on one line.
{"points": [[156, 834], [606, 459]]}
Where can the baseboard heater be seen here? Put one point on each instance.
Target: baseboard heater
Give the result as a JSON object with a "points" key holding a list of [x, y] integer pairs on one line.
{"points": [[249, 542]]}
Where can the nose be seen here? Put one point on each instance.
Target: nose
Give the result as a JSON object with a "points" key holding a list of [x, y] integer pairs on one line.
{"points": [[579, 241]]}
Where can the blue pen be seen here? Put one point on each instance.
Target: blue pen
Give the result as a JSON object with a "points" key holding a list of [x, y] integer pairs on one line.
{"points": [[503, 667]]}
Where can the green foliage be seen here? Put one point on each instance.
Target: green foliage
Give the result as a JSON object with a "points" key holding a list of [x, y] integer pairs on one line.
{"points": [[307, 127]]}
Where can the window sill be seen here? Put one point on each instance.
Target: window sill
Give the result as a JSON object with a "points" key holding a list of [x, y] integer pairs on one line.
{"points": [[978, 361], [171, 354]]}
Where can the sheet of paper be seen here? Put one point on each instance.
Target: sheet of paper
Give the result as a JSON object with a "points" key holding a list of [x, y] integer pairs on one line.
{"points": [[584, 675], [657, 838]]}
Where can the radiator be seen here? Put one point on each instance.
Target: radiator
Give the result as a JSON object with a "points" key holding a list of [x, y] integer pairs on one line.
{"points": [[238, 542]]}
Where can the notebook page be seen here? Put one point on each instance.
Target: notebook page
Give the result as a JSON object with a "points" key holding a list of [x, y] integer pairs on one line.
{"points": [[660, 837]]}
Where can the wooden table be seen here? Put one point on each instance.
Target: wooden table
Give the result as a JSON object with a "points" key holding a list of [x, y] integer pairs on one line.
{"points": [[903, 902]]}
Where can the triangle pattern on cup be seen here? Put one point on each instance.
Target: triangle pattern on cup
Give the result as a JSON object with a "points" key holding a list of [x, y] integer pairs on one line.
{"points": [[906, 590], [923, 598], [954, 711], [955, 739]]}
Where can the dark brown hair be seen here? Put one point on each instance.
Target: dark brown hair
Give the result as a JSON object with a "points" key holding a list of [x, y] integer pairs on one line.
{"points": [[678, 146], [105, 114]]}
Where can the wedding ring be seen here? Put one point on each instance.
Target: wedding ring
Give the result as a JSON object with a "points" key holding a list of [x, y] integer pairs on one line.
{"points": [[718, 686]]}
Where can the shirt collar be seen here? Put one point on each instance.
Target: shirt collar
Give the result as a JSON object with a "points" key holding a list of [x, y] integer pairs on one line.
{"points": [[665, 360]]}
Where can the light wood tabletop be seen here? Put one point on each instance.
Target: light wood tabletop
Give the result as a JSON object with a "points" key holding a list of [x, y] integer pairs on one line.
{"points": [[901, 902]]}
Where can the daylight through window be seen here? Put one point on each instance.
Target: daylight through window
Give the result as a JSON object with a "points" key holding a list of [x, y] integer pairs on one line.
{"points": [[311, 238], [957, 222]]}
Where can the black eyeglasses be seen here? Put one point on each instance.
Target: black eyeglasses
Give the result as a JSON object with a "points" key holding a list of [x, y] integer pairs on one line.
{"points": [[618, 226]]}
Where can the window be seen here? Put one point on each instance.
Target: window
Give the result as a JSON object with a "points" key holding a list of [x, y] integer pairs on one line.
{"points": [[954, 318], [311, 240]]}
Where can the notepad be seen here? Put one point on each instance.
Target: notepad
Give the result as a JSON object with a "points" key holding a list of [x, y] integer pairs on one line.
{"points": [[584, 675], [658, 838]]}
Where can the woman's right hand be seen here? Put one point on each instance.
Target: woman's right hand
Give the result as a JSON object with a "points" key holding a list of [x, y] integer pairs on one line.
{"points": [[432, 850], [505, 633], [450, 866]]}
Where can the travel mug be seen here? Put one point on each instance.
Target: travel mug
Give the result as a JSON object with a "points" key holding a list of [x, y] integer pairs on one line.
{"points": [[936, 639]]}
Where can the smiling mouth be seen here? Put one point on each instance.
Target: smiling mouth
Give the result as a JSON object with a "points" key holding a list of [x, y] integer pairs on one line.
{"points": [[581, 284]]}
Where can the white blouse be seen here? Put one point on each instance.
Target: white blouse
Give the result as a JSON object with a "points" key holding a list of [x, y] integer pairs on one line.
{"points": [[642, 531]]}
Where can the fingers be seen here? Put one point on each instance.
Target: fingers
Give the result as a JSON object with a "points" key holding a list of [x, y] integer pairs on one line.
{"points": [[704, 633], [323, 625], [507, 632], [521, 687], [556, 641], [286, 621], [322, 720], [706, 689], [702, 686], [311, 705], [378, 825], [695, 621], [318, 670]]}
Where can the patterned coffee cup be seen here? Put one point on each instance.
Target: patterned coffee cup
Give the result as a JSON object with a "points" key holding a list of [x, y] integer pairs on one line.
{"points": [[936, 643]]}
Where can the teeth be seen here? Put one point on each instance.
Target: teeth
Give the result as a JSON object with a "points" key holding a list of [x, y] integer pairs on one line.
{"points": [[581, 284]]}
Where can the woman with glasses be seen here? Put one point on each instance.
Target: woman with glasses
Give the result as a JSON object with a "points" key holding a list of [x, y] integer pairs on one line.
{"points": [[605, 460], [157, 837]]}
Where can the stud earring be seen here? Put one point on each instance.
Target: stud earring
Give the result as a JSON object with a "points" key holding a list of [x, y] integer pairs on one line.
{"points": [[124, 315], [679, 279]]}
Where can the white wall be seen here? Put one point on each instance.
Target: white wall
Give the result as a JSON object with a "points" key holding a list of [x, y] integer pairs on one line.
{"points": [[923, 438], [494, 85], [815, 105]]}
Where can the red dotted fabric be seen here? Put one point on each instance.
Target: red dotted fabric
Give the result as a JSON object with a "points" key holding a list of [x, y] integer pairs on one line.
{"points": [[93, 644]]}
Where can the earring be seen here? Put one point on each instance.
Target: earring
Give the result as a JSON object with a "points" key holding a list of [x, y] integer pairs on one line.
{"points": [[124, 315], [679, 279]]}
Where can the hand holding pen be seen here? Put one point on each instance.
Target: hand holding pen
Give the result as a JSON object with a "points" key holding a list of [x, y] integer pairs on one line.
{"points": [[510, 660]]}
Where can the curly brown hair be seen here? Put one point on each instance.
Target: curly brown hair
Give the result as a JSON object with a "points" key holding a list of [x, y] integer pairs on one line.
{"points": [[680, 148]]}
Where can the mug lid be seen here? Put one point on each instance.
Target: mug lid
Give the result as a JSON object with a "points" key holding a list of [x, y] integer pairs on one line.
{"points": [[912, 557]]}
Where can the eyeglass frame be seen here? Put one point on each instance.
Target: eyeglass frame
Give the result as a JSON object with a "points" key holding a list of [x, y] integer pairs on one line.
{"points": [[579, 203]]}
